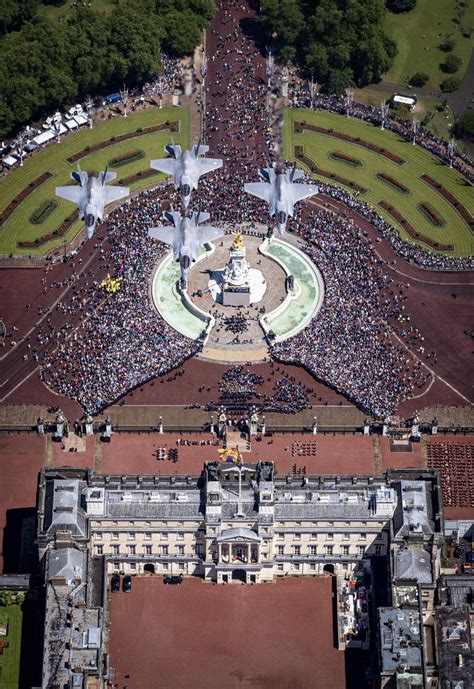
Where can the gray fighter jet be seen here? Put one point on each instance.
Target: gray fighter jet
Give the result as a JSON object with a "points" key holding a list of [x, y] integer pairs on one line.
{"points": [[186, 167], [186, 237], [280, 192], [92, 196]]}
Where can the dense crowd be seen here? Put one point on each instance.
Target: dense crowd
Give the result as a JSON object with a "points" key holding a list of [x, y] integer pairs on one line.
{"points": [[170, 78], [122, 340], [235, 117], [349, 343]]}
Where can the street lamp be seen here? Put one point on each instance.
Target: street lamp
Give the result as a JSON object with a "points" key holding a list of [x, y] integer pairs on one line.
{"points": [[384, 113], [124, 95], [349, 100]]}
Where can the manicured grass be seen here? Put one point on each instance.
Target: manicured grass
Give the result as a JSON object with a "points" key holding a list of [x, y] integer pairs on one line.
{"points": [[318, 147], [64, 10], [10, 659], [53, 158], [418, 34]]}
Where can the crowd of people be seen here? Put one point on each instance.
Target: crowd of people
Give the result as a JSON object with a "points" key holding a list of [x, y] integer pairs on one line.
{"points": [[122, 341], [349, 344]]}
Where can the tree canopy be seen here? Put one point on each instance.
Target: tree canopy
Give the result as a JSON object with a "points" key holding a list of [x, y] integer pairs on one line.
{"points": [[45, 64], [338, 42]]}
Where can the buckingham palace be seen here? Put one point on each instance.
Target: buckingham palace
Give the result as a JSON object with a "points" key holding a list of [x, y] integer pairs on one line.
{"points": [[233, 522]]}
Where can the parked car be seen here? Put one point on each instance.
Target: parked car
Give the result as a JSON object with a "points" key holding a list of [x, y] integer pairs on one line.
{"points": [[115, 583], [173, 580], [127, 584]]}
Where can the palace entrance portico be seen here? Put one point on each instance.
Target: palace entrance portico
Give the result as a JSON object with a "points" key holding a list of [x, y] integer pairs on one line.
{"points": [[238, 556]]}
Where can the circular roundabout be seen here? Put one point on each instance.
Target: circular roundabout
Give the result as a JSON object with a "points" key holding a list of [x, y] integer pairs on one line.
{"points": [[244, 291]]}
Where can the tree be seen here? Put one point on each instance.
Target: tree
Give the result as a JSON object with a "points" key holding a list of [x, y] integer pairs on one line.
{"points": [[418, 79], [465, 124], [447, 45], [6, 598], [451, 64], [284, 22], [399, 6], [450, 84], [338, 43]]}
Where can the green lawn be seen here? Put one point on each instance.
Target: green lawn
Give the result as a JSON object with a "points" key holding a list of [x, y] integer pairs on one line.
{"points": [[64, 10], [319, 146], [53, 158], [10, 659], [418, 35]]}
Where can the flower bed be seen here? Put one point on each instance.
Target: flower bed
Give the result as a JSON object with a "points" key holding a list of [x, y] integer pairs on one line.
{"points": [[172, 126], [431, 214], [299, 127], [44, 238], [462, 210], [23, 195], [43, 211], [345, 159], [411, 230], [300, 155], [141, 174], [126, 158], [392, 183]]}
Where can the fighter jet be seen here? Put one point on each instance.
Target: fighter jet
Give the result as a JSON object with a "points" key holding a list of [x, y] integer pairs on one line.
{"points": [[186, 237], [280, 192], [92, 196], [186, 167]]}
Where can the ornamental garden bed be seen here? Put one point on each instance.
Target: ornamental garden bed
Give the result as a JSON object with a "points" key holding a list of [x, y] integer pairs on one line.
{"points": [[462, 210], [44, 238], [392, 183], [345, 159], [411, 230], [300, 155], [431, 214], [141, 174], [126, 158], [23, 195], [172, 126], [43, 211], [299, 127]]}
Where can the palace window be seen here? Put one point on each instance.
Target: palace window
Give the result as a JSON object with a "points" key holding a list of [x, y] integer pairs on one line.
{"points": [[132, 549], [361, 550], [378, 549], [115, 550], [345, 550], [181, 550], [297, 536], [148, 550], [313, 549], [147, 536], [281, 550], [328, 549], [329, 536], [297, 549], [164, 550], [181, 566], [99, 549], [131, 535], [346, 537], [133, 566]]}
